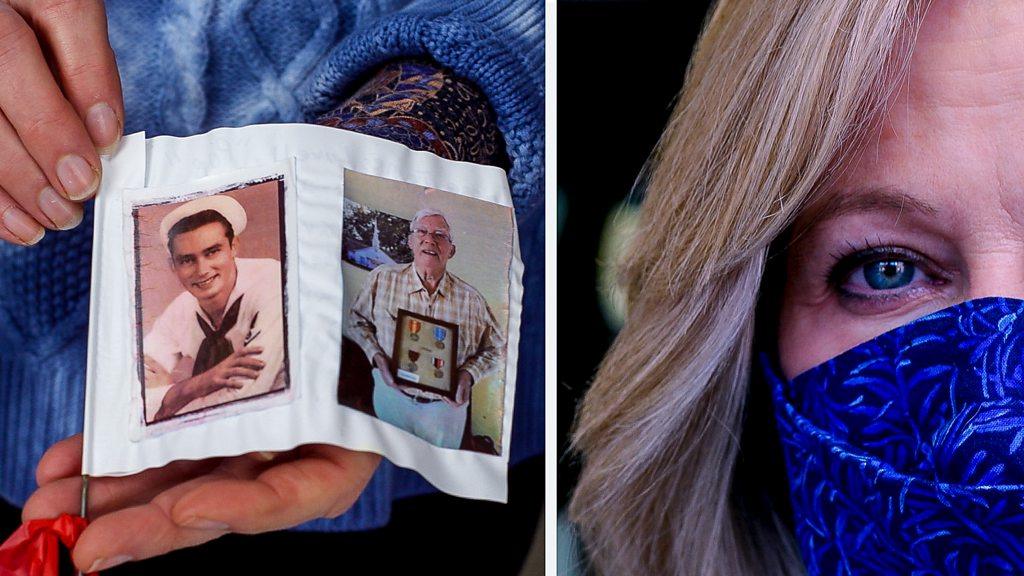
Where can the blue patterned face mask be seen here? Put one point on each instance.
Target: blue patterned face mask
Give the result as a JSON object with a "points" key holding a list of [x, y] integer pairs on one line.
{"points": [[905, 454]]}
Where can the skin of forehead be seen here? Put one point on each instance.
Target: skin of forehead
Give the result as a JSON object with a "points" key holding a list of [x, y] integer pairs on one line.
{"points": [[174, 242], [439, 221], [954, 138]]}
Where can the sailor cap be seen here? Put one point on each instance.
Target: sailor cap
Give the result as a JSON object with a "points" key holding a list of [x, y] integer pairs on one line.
{"points": [[227, 206]]}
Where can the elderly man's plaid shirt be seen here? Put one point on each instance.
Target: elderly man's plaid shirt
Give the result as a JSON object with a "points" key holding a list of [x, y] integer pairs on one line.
{"points": [[372, 319]]}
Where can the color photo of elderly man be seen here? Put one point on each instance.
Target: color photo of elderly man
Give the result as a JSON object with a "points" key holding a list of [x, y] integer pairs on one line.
{"points": [[412, 305], [220, 339]]}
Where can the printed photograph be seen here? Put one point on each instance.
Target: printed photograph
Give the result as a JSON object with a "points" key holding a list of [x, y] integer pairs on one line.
{"points": [[426, 276], [210, 293], [372, 238], [424, 353]]}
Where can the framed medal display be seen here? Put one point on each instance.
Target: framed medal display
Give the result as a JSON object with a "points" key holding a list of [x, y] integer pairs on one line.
{"points": [[424, 354]]}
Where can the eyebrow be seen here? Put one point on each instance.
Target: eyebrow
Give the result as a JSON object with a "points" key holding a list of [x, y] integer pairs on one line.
{"points": [[435, 231], [210, 247], [874, 199]]}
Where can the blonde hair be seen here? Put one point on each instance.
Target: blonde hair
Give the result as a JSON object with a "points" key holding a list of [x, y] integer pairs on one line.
{"points": [[777, 95]]}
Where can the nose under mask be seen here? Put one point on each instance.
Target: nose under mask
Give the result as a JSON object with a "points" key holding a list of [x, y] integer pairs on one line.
{"points": [[905, 454]]}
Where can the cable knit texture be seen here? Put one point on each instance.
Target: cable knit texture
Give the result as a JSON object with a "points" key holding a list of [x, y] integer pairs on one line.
{"points": [[188, 66]]}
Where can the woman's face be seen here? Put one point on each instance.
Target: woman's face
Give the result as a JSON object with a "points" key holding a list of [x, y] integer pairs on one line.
{"points": [[931, 212]]}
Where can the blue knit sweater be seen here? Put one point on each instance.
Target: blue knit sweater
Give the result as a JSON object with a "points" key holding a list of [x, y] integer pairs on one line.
{"points": [[188, 66]]}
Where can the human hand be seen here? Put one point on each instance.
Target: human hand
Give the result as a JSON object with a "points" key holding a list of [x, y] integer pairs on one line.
{"points": [[187, 503], [227, 373], [384, 367], [230, 372], [156, 375], [463, 390], [53, 118]]}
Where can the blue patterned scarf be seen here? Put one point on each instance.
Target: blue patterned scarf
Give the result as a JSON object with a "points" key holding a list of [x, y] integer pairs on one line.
{"points": [[905, 454]]}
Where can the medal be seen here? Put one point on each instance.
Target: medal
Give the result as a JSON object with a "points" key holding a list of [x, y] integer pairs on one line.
{"points": [[438, 365], [414, 356], [414, 328], [439, 336]]}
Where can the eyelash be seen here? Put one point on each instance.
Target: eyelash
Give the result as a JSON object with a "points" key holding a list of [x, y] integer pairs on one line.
{"points": [[854, 257], [189, 260]]}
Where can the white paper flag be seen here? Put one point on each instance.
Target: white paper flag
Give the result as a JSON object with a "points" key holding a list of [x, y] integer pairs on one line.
{"points": [[259, 288]]}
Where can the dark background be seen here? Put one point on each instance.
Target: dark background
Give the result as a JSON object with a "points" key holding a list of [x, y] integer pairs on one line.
{"points": [[620, 65]]}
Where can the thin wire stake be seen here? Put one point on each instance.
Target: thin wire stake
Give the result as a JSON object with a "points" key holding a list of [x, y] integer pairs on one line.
{"points": [[85, 502], [85, 495]]}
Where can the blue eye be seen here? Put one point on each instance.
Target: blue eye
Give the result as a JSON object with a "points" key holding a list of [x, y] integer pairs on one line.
{"points": [[888, 274], [882, 279]]}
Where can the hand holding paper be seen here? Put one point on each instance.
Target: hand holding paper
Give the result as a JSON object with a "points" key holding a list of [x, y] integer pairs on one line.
{"points": [[159, 484], [187, 503], [65, 104]]}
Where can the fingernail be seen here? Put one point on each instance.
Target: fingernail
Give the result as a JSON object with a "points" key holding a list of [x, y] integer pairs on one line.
{"points": [[108, 563], [103, 126], [62, 213], [205, 524], [23, 226], [79, 179]]}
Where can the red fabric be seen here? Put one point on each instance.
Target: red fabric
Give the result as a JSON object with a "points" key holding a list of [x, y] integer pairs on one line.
{"points": [[33, 548]]}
